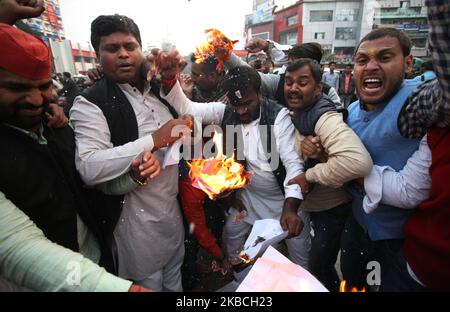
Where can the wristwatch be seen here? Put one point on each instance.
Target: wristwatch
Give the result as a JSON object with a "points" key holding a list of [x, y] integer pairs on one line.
{"points": [[139, 182]]}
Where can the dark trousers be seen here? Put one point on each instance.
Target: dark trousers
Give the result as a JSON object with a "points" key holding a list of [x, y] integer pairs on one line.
{"points": [[359, 250], [396, 277], [325, 245]]}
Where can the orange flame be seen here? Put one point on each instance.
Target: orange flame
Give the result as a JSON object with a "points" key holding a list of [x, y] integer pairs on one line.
{"points": [[215, 176], [215, 40], [245, 259], [343, 288]]}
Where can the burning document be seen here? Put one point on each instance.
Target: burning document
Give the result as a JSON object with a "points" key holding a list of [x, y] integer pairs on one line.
{"points": [[216, 176], [264, 234], [273, 272]]}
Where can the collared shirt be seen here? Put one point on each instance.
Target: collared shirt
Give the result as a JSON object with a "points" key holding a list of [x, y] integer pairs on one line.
{"points": [[150, 230], [331, 79], [430, 104], [263, 197]]}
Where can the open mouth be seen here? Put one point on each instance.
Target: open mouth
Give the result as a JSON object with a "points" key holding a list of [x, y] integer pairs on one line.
{"points": [[372, 85], [126, 67], [32, 112], [294, 98]]}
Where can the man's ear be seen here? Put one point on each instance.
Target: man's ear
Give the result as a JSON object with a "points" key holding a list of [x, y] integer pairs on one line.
{"points": [[409, 62], [319, 88]]}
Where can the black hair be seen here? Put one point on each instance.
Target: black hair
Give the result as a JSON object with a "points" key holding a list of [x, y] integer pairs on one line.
{"points": [[66, 74], [331, 63], [209, 64], [312, 64], [105, 25], [405, 42], [428, 65], [311, 50], [241, 80]]}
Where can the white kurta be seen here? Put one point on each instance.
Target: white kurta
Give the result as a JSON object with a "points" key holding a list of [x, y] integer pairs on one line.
{"points": [[150, 230]]}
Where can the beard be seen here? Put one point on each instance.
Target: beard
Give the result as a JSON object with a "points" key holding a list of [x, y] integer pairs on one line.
{"points": [[21, 115]]}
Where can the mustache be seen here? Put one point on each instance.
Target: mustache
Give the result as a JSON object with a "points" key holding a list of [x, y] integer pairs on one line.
{"points": [[297, 94], [29, 106]]}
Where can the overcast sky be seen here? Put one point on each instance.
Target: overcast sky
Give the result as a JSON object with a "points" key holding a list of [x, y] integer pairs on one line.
{"points": [[180, 21]]}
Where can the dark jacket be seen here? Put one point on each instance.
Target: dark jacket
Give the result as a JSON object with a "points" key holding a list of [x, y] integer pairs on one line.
{"points": [[351, 86], [42, 181]]}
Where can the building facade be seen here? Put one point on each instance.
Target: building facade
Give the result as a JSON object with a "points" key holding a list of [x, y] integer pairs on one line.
{"points": [[288, 28], [336, 25], [49, 25], [409, 16]]}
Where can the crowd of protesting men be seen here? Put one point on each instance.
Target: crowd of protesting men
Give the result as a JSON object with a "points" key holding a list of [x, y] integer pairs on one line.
{"points": [[352, 164]]}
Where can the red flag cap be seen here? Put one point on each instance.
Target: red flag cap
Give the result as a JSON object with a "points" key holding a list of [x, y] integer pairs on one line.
{"points": [[23, 54]]}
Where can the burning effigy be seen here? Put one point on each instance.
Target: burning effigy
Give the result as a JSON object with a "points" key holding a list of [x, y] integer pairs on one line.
{"points": [[215, 40]]}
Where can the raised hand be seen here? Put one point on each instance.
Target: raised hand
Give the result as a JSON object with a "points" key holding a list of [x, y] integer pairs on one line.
{"points": [[14, 10], [55, 117], [95, 74], [256, 45], [187, 84], [167, 65]]}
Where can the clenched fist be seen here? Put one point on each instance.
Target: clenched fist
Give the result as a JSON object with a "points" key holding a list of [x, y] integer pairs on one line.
{"points": [[14, 10]]}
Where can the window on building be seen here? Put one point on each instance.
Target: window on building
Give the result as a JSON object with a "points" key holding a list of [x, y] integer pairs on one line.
{"points": [[264, 36], [319, 35], [321, 16], [345, 33], [347, 15], [289, 38], [345, 54], [293, 20], [404, 4]]}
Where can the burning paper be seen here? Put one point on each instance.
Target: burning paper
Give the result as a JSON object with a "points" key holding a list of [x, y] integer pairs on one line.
{"points": [[273, 272], [218, 175], [215, 40]]}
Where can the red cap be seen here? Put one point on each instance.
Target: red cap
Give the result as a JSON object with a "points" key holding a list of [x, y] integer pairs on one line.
{"points": [[23, 54]]}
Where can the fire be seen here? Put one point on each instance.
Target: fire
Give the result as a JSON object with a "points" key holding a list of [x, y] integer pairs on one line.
{"points": [[215, 176], [343, 288], [245, 259], [215, 40]]}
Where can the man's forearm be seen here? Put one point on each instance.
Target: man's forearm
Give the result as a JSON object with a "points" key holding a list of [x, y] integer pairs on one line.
{"points": [[291, 205]]}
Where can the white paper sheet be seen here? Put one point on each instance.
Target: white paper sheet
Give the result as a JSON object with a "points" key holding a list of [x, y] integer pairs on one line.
{"points": [[264, 233], [273, 272], [172, 155]]}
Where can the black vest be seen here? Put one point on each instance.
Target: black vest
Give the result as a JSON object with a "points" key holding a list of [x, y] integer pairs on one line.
{"points": [[43, 182], [306, 121], [122, 124], [269, 113]]}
